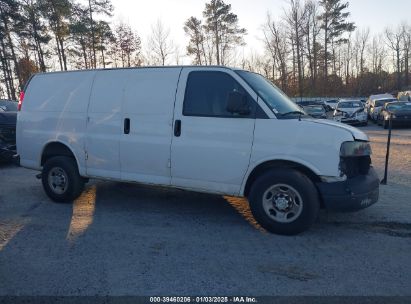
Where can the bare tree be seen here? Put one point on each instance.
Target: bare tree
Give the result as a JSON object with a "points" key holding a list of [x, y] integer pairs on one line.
{"points": [[275, 40], [312, 31], [361, 41], [406, 29], [160, 44], [296, 19], [377, 54], [348, 56], [394, 40], [177, 54]]}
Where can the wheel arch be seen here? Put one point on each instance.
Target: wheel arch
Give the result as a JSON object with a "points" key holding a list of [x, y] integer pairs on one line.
{"points": [[56, 148], [265, 166]]}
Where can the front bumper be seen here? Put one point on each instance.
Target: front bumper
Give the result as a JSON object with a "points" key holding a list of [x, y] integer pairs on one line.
{"points": [[352, 120], [352, 194]]}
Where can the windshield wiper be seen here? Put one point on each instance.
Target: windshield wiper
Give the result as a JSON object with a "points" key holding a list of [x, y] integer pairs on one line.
{"points": [[293, 112]]}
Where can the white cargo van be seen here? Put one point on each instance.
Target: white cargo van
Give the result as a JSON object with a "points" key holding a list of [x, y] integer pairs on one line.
{"points": [[208, 129]]}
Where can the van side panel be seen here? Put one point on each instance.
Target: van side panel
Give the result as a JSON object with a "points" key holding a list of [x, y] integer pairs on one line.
{"points": [[104, 125], [149, 106], [54, 110]]}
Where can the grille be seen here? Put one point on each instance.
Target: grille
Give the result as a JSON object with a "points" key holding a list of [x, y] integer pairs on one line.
{"points": [[354, 166]]}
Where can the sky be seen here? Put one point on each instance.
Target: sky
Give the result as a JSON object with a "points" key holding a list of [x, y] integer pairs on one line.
{"points": [[141, 15]]}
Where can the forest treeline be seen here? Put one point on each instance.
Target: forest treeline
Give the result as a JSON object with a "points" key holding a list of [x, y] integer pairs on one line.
{"points": [[313, 49]]}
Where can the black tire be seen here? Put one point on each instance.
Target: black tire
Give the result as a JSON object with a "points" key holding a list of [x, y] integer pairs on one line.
{"points": [[67, 169], [306, 190]]}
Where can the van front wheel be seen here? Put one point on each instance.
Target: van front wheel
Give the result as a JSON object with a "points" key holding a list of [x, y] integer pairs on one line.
{"points": [[61, 179], [284, 201]]}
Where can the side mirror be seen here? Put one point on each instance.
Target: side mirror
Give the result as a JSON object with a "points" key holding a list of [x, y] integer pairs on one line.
{"points": [[237, 103]]}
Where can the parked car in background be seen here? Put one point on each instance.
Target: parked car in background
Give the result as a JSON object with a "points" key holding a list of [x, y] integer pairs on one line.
{"points": [[303, 103], [316, 111], [404, 96], [375, 103], [330, 104], [350, 112], [8, 117], [400, 111]]}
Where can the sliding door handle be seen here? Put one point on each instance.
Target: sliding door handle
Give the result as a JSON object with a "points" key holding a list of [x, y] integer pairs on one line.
{"points": [[177, 128], [126, 125]]}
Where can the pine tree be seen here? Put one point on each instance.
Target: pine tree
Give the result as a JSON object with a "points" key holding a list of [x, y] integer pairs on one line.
{"points": [[57, 12], [97, 7], [128, 45], [9, 18], [223, 24], [80, 34], [194, 29], [334, 24], [104, 36], [35, 30]]}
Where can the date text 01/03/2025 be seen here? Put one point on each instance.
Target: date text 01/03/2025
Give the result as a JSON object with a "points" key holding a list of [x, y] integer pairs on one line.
{"points": [[203, 299]]}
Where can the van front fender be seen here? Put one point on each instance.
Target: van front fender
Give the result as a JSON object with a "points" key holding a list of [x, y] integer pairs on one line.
{"points": [[276, 161]]}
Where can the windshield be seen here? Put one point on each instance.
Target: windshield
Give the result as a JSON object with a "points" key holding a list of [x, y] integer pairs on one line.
{"points": [[318, 109], [8, 106], [381, 102], [349, 104], [278, 102], [400, 106]]}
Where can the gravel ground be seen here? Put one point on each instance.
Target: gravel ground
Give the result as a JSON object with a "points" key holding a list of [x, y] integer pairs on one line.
{"points": [[125, 239]]}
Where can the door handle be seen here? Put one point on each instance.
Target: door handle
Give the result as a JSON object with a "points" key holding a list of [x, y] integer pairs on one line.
{"points": [[126, 125], [177, 128]]}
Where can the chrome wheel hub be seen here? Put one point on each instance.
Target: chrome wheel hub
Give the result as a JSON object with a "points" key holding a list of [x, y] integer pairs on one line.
{"points": [[58, 181], [282, 203]]}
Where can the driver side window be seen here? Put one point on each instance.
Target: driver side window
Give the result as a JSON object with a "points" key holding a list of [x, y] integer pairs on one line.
{"points": [[208, 92]]}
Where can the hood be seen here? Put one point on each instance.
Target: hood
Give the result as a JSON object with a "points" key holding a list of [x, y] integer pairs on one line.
{"points": [[350, 110], [357, 134], [8, 118]]}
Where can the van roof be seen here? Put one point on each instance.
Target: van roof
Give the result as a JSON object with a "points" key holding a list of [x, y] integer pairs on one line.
{"points": [[380, 96], [143, 67]]}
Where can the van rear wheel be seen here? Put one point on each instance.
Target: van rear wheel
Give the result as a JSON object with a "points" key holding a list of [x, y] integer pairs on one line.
{"points": [[61, 179], [284, 201]]}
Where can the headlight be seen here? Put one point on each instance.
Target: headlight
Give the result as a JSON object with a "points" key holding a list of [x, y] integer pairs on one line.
{"points": [[355, 148]]}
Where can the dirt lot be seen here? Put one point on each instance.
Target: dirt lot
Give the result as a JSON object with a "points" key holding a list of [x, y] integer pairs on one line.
{"points": [[123, 239]]}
